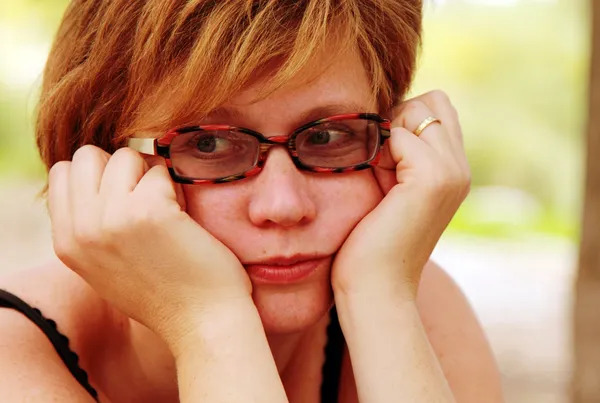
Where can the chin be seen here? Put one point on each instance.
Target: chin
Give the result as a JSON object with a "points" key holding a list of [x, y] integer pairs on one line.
{"points": [[293, 308]]}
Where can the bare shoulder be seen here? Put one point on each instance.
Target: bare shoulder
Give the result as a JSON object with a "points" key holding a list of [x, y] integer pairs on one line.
{"points": [[64, 297], [457, 338], [80, 314]]}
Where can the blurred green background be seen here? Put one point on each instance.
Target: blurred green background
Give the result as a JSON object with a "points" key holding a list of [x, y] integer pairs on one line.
{"points": [[516, 71]]}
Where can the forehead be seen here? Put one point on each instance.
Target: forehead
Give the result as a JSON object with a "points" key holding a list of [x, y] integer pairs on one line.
{"points": [[324, 88]]}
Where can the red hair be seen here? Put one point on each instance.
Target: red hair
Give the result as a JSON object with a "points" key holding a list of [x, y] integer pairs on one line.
{"points": [[111, 59]]}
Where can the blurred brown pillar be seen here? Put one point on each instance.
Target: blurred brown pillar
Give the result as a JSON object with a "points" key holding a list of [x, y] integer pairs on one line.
{"points": [[586, 381]]}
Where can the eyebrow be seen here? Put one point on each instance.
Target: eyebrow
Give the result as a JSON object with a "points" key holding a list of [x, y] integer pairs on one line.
{"points": [[319, 112]]}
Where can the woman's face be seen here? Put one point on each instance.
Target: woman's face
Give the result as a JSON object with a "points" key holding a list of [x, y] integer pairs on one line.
{"points": [[284, 215]]}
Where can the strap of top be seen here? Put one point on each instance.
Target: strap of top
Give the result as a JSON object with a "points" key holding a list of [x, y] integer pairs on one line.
{"points": [[332, 368], [58, 340]]}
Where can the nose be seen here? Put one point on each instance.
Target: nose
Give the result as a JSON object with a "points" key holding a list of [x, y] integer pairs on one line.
{"points": [[280, 195]]}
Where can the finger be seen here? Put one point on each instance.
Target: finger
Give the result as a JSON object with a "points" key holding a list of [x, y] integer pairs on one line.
{"points": [[123, 172], [157, 181], [58, 196], [411, 114], [408, 151], [87, 169], [59, 207], [85, 177], [152, 161], [442, 107]]}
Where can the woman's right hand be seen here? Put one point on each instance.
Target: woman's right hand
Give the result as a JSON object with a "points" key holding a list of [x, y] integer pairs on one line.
{"points": [[122, 225]]}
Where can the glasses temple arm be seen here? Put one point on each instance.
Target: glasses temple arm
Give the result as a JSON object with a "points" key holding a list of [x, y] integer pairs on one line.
{"points": [[143, 145]]}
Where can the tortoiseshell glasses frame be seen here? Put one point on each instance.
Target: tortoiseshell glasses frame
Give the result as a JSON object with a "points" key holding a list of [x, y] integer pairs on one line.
{"points": [[161, 146]]}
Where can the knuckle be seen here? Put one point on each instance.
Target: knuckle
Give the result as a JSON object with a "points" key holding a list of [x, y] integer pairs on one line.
{"points": [[64, 249], [87, 151], [57, 170], [60, 166], [85, 234], [414, 106], [439, 96], [114, 227], [118, 219], [126, 153]]}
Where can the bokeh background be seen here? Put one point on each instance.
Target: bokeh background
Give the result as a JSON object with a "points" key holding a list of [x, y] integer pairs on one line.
{"points": [[517, 71]]}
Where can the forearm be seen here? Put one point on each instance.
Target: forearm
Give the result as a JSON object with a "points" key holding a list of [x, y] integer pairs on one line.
{"points": [[391, 356], [228, 360]]}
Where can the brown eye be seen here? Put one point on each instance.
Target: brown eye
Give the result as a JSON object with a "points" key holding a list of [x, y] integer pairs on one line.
{"points": [[320, 137], [206, 144]]}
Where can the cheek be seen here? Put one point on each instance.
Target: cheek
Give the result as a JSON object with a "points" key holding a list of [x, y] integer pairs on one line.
{"points": [[345, 199], [341, 201], [216, 207]]}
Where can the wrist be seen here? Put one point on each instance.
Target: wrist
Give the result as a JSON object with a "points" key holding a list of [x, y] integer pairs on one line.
{"points": [[200, 327], [380, 288], [368, 301]]}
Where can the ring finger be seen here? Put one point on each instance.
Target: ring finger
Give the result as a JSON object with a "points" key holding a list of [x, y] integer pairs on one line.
{"points": [[413, 115]]}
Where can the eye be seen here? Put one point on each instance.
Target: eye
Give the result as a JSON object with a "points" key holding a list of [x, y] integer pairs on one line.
{"points": [[206, 144], [319, 137], [327, 136], [211, 143]]}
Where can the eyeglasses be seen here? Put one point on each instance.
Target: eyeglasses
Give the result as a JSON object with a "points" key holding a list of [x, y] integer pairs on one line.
{"points": [[221, 153]]}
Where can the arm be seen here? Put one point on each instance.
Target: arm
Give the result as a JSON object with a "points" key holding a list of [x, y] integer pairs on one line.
{"points": [[226, 358], [425, 176], [122, 226], [457, 339], [31, 371], [391, 356], [211, 364]]}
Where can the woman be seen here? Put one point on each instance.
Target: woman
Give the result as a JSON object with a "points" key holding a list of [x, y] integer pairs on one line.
{"points": [[278, 186]]}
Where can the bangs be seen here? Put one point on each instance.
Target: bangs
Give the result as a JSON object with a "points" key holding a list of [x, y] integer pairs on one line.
{"points": [[209, 57], [119, 67]]}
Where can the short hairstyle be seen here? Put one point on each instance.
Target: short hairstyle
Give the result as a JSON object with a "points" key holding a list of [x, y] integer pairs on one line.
{"points": [[111, 58]]}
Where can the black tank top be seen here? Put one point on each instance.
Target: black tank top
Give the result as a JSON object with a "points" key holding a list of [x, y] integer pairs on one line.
{"points": [[331, 368]]}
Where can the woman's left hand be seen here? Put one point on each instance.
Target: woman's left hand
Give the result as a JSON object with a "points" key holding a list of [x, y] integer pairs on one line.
{"points": [[424, 179]]}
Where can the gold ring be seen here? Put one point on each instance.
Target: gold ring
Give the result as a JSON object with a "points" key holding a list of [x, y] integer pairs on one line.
{"points": [[424, 124]]}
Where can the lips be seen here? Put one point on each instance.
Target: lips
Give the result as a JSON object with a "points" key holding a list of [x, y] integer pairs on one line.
{"points": [[285, 270]]}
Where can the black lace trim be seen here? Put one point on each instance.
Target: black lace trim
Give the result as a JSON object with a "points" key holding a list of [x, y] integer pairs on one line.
{"points": [[59, 341], [332, 368]]}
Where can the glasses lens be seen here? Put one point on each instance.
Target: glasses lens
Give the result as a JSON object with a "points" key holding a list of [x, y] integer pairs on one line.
{"points": [[338, 144], [213, 154]]}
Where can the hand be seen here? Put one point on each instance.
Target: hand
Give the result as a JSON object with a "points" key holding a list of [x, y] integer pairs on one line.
{"points": [[121, 225], [428, 180]]}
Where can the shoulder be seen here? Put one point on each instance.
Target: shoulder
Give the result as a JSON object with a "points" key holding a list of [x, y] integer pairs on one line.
{"points": [[80, 314], [64, 297], [457, 338]]}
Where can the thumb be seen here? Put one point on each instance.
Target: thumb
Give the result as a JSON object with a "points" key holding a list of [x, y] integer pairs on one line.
{"points": [[154, 160]]}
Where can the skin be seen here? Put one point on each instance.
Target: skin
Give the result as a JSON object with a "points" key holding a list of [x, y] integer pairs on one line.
{"points": [[184, 310]]}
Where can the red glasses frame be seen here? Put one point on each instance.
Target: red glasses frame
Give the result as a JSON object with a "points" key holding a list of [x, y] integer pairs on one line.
{"points": [[161, 146]]}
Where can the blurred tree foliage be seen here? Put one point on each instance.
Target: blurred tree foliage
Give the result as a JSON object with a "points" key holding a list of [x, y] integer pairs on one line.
{"points": [[32, 24], [517, 75]]}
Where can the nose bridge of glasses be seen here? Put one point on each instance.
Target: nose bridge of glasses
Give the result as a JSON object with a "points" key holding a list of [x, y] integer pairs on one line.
{"points": [[283, 140], [267, 143]]}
